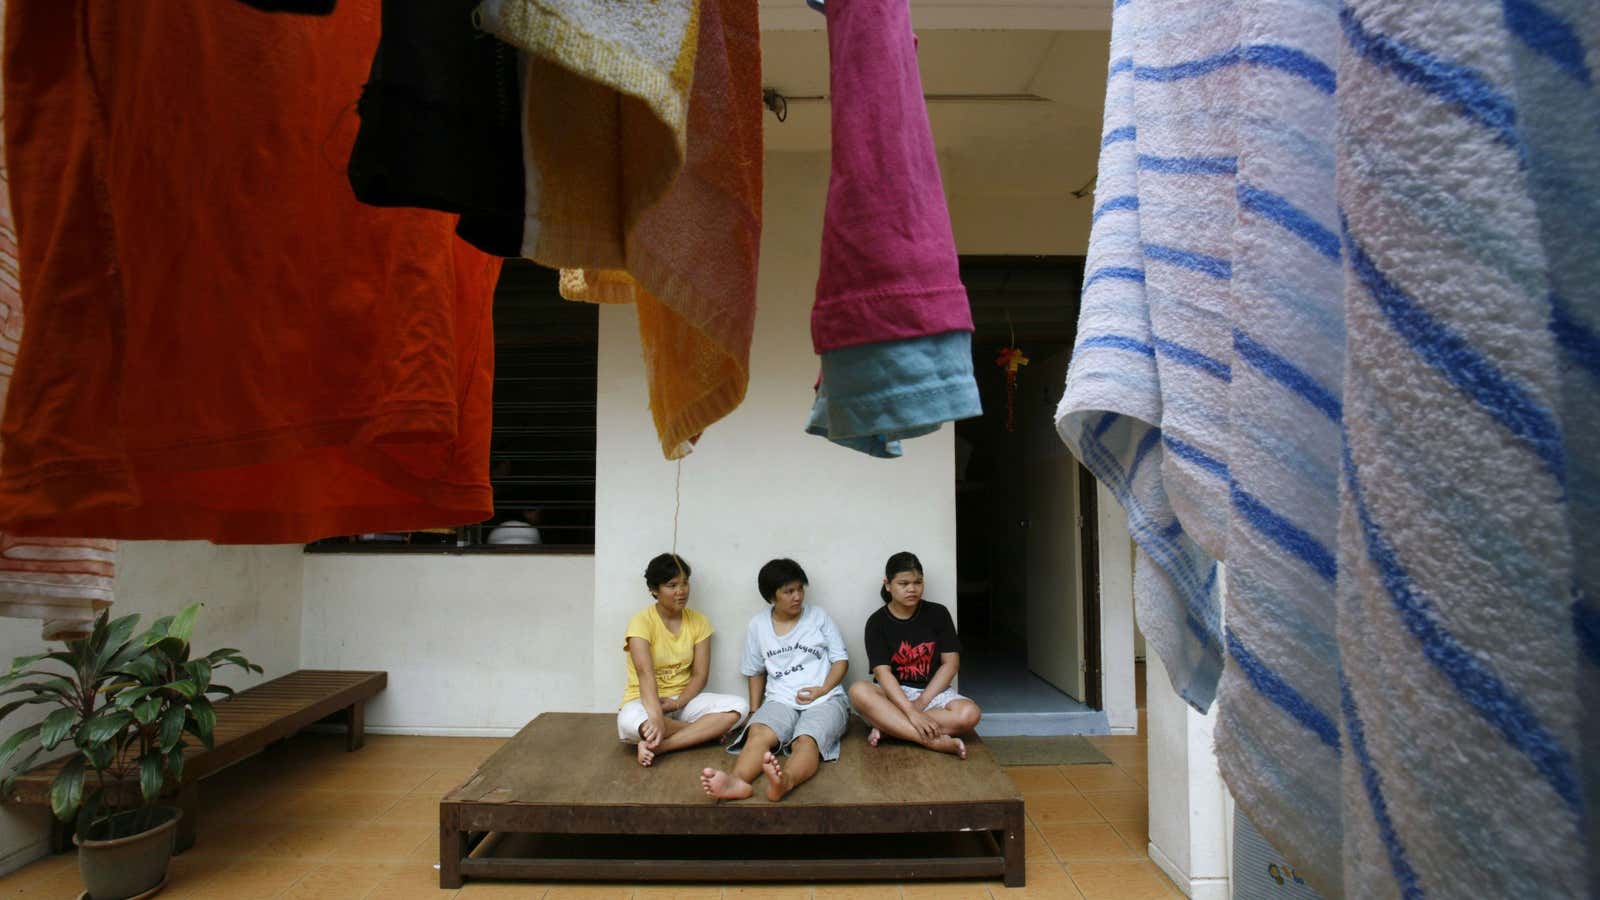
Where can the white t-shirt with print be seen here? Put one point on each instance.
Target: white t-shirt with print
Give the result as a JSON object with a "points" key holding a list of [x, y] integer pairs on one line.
{"points": [[795, 660]]}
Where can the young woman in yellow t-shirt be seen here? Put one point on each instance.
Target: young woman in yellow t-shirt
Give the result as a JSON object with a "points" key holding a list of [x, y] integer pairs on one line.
{"points": [[668, 650]]}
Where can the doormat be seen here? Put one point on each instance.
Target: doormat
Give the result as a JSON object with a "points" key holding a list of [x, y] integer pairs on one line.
{"points": [[1061, 750]]}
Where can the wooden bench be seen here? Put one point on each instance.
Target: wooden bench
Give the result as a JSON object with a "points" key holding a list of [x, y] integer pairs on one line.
{"points": [[564, 799], [246, 724]]}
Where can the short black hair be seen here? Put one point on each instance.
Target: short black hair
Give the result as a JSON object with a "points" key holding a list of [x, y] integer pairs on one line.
{"points": [[904, 561], [777, 573], [663, 569]]}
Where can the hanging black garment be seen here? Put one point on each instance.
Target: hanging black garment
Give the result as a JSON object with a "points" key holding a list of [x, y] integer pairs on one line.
{"points": [[441, 125]]}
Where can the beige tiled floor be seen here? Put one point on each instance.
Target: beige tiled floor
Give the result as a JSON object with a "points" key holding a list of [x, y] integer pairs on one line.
{"points": [[310, 821]]}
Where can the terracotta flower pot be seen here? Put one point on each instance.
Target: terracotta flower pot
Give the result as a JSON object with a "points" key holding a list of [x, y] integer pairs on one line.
{"points": [[127, 867]]}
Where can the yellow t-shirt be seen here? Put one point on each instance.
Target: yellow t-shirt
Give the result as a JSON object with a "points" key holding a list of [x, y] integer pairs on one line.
{"points": [[671, 654]]}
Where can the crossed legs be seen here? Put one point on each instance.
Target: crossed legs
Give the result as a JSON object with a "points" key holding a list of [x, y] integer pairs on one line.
{"points": [[679, 735], [880, 712]]}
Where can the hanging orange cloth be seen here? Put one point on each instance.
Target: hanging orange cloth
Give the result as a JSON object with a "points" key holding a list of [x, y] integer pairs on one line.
{"points": [[221, 342], [687, 260], [692, 258], [64, 581]]}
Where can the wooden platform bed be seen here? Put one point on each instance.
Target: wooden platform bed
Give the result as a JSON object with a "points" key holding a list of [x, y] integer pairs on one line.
{"points": [[565, 800]]}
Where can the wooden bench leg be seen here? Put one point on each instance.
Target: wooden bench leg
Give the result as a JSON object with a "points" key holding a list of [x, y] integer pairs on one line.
{"points": [[189, 825], [355, 726], [1015, 847], [451, 847]]}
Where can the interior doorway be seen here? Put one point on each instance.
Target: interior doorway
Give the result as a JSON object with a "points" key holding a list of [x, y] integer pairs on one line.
{"points": [[1027, 598]]}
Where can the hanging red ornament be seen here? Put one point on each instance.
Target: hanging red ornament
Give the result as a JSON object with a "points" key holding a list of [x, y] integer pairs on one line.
{"points": [[1011, 359]]}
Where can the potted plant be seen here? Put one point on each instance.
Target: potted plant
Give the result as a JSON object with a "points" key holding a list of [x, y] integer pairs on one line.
{"points": [[124, 706]]}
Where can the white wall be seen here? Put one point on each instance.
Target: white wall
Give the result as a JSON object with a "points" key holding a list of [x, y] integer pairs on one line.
{"points": [[758, 487], [252, 602], [476, 644], [1117, 644], [1189, 814]]}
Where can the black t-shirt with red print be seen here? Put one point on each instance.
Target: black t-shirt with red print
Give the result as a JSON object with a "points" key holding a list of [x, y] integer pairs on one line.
{"points": [[911, 647]]}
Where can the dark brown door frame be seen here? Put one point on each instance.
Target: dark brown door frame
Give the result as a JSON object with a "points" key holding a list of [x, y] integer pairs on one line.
{"points": [[1089, 557]]}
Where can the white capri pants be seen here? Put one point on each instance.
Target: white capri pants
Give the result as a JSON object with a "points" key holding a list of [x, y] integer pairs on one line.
{"points": [[632, 713]]}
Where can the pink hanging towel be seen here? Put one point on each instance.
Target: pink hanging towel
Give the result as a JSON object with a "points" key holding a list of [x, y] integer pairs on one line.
{"points": [[891, 318]]}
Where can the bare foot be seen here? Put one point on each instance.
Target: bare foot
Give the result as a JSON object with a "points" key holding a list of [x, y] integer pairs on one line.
{"points": [[645, 754], [944, 743], [775, 786], [873, 737], [725, 785]]}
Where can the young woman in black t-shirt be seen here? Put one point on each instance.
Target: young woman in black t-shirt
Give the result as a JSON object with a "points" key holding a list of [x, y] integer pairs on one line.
{"points": [[914, 653]]}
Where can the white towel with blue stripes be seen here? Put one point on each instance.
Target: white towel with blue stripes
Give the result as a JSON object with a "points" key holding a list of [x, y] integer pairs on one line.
{"points": [[1340, 330]]}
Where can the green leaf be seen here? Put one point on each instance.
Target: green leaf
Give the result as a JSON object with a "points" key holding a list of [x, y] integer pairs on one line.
{"points": [[9, 748], [175, 764], [142, 668], [151, 776], [15, 705], [174, 649], [103, 726], [56, 727], [100, 756], [23, 765], [146, 710], [14, 677], [245, 664], [130, 649], [183, 624], [66, 792], [22, 662], [129, 696], [200, 673], [204, 719], [172, 728], [222, 689], [187, 688], [158, 629], [97, 635], [224, 653], [55, 686], [118, 634], [234, 659]]}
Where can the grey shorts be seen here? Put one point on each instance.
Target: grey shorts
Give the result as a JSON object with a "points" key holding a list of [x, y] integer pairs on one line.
{"points": [[825, 722]]}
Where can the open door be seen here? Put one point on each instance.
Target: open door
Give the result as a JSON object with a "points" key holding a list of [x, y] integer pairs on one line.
{"points": [[1054, 583]]}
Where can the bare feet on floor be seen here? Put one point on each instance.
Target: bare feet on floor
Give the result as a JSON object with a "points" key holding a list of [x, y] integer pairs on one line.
{"points": [[873, 737], [944, 743], [775, 785], [724, 785], [645, 754]]}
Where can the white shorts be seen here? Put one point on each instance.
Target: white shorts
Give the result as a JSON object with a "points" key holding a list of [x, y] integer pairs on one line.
{"points": [[632, 713], [940, 701]]}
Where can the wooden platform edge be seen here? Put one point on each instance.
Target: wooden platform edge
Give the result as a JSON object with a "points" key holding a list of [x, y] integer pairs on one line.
{"points": [[462, 825], [734, 870]]}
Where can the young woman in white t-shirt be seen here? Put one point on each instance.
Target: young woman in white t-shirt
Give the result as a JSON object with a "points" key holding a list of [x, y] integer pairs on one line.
{"points": [[795, 660]]}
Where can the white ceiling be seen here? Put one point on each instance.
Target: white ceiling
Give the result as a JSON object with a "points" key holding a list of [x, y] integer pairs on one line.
{"points": [[1050, 15], [989, 146]]}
